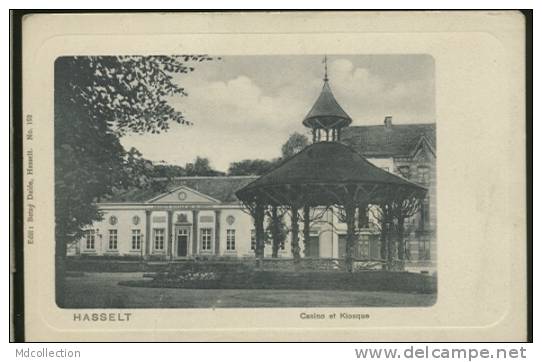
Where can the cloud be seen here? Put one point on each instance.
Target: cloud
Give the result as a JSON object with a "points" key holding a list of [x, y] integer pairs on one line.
{"points": [[233, 120], [368, 97], [241, 104], [241, 117]]}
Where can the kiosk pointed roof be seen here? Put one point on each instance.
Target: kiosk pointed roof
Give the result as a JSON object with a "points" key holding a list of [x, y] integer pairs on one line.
{"points": [[329, 164], [325, 107]]}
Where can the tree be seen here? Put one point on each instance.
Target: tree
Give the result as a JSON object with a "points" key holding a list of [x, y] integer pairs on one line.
{"points": [[201, 167], [391, 218], [257, 167], [164, 170], [98, 100], [403, 209], [383, 213], [250, 167], [277, 228], [294, 228], [309, 217], [162, 175], [295, 143]]}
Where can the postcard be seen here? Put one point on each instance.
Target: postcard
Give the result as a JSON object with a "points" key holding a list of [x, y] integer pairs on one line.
{"points": [[274, 176]]}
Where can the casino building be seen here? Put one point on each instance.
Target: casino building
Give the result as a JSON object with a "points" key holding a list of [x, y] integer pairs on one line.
{"points": [[201, 216]]}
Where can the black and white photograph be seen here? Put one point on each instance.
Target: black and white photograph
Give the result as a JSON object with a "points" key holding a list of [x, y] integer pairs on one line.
{"points": [[273, 176], [202, 181]]}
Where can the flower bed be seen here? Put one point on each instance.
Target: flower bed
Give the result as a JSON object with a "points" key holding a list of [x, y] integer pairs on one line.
{"points": [[254, 279]]}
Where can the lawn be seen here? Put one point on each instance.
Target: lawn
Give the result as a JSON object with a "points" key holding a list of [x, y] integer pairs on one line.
{"points": [[101, 290]]}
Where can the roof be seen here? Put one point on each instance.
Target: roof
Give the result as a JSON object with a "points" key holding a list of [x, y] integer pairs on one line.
{"points": [[221, 188], [326, 111], [329, 163], [392, 141]]}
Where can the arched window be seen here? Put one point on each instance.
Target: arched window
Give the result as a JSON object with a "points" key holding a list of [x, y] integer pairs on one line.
{"points": [[423, 174]]}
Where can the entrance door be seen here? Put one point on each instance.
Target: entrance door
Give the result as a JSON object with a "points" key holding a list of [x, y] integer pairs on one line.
{"points": [[182, 241], [314, 247]]}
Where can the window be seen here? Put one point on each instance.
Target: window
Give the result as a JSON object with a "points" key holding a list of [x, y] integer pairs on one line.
{"points": [[90, 239], [408, 246], [423, 174], [424, 214], [182, 232], [252, 239], [404, 171], [230, 239], [159, 239], [363, 247], [113, 239], [136, 239], [426, 209], [206, 235], [424, 249]]}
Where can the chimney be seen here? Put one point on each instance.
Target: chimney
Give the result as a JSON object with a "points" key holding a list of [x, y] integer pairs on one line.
{"points": [[387, 121]]}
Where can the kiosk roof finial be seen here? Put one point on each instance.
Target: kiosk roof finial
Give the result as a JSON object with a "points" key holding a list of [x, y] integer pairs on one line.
{"points": [[325, 68]]}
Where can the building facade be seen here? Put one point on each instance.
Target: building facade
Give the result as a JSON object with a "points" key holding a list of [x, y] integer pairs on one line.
{"points": [[196, 216], [201, 217], [407, 150]]}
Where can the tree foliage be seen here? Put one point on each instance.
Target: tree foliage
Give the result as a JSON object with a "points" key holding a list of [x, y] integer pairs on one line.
{"points": [[257, 167], [295, 143], [201, 167], [163, 170], [128, 93], [97, 100], [250, 167]]}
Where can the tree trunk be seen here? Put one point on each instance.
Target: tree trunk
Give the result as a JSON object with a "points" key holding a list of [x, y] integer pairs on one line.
{"points": [[60, 270], [306, 229], [383, 243], [295, 235], [350, 236], [390, 241], [260, 234], [383, 234], [386, 236], [401, 238], [363, 220], [275, 231]]}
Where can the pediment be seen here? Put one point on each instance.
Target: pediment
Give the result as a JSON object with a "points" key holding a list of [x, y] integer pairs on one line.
{"points": [[423, 151], [183, 195]]}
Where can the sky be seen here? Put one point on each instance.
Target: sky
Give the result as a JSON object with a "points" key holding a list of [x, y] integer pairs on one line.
{"points": [[245, 107]]}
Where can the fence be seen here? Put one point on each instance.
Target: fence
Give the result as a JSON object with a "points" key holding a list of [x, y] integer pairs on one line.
{"points": [[245, 263]]}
